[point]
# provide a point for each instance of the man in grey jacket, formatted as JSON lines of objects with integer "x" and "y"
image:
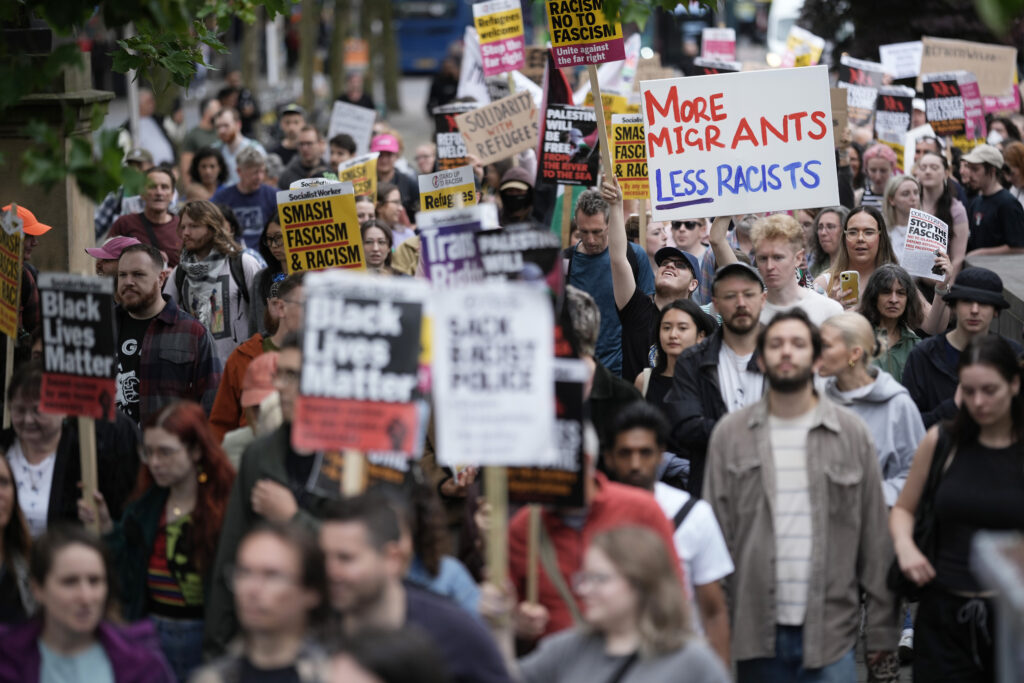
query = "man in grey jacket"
{"x": 795, "y": 484}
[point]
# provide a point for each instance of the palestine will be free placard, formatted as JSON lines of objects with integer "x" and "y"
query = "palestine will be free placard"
{"x": 78, "y": 345}
{"x": 320, "y": 228}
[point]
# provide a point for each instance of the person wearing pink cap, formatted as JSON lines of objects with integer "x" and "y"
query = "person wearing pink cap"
{"x": 388, "y": 147}
{"x": 106, "y": 255}
{"x": 28, "y": 313}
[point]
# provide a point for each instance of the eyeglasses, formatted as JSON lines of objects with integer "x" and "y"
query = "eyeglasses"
{"x": 580, "y": 579}
{"x": 866, "y": 234}
{"x": 159, "y": 453}
{"x": 275, "y": 241}
{"x": 678, "y": 264}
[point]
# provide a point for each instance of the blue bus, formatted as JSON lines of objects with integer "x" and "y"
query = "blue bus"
{"x": 425, "y": 30}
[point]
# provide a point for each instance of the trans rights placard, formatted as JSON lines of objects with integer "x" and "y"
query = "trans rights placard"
{"x": 728, "y": 144}
{"x": 320, "y": 228}
{"x": 78, "y": 345}
{"x": 449, "y": 252}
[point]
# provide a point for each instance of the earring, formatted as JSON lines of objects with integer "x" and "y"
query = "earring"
{"x": 852, "y": 362}
{"x": 202, "y": 476}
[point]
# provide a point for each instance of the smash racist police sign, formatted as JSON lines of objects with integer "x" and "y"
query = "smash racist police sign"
{"x": 320, "y": 228}
{"x": 739, "y": 143}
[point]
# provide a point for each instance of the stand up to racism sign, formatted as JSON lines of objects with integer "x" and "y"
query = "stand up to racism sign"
{"x": 728, "y": 144}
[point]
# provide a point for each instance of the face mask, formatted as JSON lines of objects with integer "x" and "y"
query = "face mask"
{"x": 514, "y": 204}
{"x": 994, "y": 138}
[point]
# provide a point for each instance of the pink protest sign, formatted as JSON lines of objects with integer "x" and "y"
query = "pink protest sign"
{"x": 499, "y": 23}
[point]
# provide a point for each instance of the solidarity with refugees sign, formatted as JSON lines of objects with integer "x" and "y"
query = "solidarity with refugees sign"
{"x": 360, "y": 363}
{"x": 501, "y": 129}
{"x": 581, "y": 33}
{"x": 320, "y": 228}
{"x": 729, "y": 144}
{"x": 499, "y": 24}
{"x": 78, "y": 345}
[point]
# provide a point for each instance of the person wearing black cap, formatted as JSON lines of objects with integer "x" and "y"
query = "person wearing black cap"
{"x": 931, "y": 371}
{"x": 997, "y": 219}
{"x": 720, "y": 374}
{"x": 516, "y": 191}
{"x": 291, "y": 120}
{"x": 308, "y": 163}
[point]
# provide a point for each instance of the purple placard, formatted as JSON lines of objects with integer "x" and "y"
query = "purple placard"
{"x": 450, "y": 256}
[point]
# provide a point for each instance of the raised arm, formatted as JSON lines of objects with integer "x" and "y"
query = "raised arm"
{"x": 719, "y": 241}
{"x": 623, "y": 284}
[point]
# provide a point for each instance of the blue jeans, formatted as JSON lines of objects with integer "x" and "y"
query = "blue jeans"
{"x": 181, "y": 641}
{"x": 787, "y": 665}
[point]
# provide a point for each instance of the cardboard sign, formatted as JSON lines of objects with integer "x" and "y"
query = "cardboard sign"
{"x": 439, "y": 190}
{"x": 361, "y": 171}
{"x": 892, "y": 118}
{"x": 492, "y": 375}
{"x": 360, "y": 364}
{"x": 356, "y": 121}
{"x": 581, "y": 34}
{"x": 447, "y": 247}
{"x": 840, "y": 114}
{"x": 730, "y": 144}
{"x": 629, "y": 155}
{"x": 499, "y": 25}
{"x": 79, "y": 368}
{"x": 519, "y": 252}
{"x": 718, "y": 43}
{"x": 803, "y": 48}
{"x": 994, "y": 65}
{"x": 944, "y": 106}
{"x": 571, "y": 154}
{"x": 1007, "y": 103}
{"x": 712, "y": 67}
{"x": 451, "y": 148}
{"x": 501, "y": 129}
{"x": 561, "y": 483}
{"x": 320, "y": 228}
{"x": 861, "y": 80}
{"x": 11, "y": 235}
{"x": 926, "y": 234}
{"x": 902, "y": 60}
{"x": 651, "y": 69}
{"x": 536, "y": 61}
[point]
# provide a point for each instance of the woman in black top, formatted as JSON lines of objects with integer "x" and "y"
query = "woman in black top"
{"x": 981, "y": 488}
{"x": 16, "y": 601}
{"x": 681, "y": 324}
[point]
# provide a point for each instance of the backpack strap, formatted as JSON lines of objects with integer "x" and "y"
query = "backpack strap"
{"x": 677, "y": 521}
{"x": 549, "y": 562}
{"x": 179, "y": 282}
{"x": 150, "y": 232}
{"x": 238, "y": 275}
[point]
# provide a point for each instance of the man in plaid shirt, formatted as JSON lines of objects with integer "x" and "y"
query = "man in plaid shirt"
{"x": 163, "y": 353}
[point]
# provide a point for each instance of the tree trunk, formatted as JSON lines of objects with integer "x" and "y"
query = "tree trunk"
{"x": 252, "y": 38}
{"x": 390, "y": 45}
{"x": 307, "y": 50}
{"x": 342, "y": 21}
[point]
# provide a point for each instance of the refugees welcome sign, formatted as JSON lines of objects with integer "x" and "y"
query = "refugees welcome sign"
{"x": 731, "y": 143}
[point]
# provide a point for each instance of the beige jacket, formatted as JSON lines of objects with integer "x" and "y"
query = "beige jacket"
{"x": 852, "y": 549}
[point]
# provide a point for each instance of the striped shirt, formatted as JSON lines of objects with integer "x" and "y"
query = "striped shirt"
{"x": 175, "y": 588}
{"x": 793, "y": 545}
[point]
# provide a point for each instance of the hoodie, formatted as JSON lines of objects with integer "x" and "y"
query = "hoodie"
{"x": 893, "y": 420}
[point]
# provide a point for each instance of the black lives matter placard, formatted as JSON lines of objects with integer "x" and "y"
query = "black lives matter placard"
{"x": 78, "y": 345}
{"x": 360, "y": 364}
{"x": 571, "y": 152}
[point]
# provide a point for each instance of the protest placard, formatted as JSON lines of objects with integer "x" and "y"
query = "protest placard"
{"x": 729, "y": 144}
{"x": 501, "y": 129}
{"x": 974, "y": 112}
{"x": 651, "y": 69}
{"x": 901, "y": 60}
{"x": 451, "y": 148}
{"x": 361, "y": 171}
{"x": 472, "y": 82}
{"x": 439, "y": 190}
{"x": 562, "y": 482}
{"x": 994, "y": 65}
{"x": 360, "y": 364}
{"x": 447, "y": 247}
{"x": 861, "y": 80}
{"x": 356, "y": 121}
{"x": 629, "y": 155}
{"x": 892, "y": 118}
{"x": 1007, "y": 103}
{"x": 303, "y": 183}
{"x": 709, "y": 67}
{"x": 718, "y": 43}
{"x": 320, "y": 228}
{"x": 926, "y": 235}
{"x": 536, "y": 61}
{"x": 803, "y": 48}
{"x": 492, "y": 375}
{"x": 379, "y": 468}
{"x": 571, "y": 153}
{"x": 840, "y": 115}
{"x": 499, "y": 26}
{"x": 581, "y": 33}
{"x": 79, "y": 368}
{"x": 943, "y": 103}
{"x": 519, "y": 252}
{"x": 11, "y": 235}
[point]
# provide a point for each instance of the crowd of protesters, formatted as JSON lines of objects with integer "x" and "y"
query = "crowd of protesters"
{"x": 763, "y": 444}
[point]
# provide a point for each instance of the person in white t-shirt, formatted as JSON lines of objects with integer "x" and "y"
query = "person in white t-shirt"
{"x": 779, "y": 251}
{"x": 634, "y": 457}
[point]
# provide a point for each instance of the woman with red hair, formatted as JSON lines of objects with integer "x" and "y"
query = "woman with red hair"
{"x": 164, "y": 546}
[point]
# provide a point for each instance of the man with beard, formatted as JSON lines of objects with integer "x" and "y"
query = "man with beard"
{"x": 720, "y": 374}
{"x": 367, "y": 558}
{"x": 795, "y": 485}
{"x": 163, "y": 354}
{"x": 997, "y": 219}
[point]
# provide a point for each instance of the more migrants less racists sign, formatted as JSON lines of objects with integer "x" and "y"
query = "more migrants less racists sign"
{"x": 320, "y": 228}
{"x": 78, "y": 345}
{"x": 439, "y": 190}
{"x": 11, "y": 235}
{"x": 360, "y": 363}
{"x": 581, "y": 33}
{"x": 501, "y": 129}
{"x": 499, "y": 25}
{"x": 728, "y": 144}
{"x": 629, "y": 154}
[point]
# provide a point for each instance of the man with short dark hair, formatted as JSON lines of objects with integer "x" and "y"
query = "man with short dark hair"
{"x": 997, "y": 218}
{"x": 308, "y": 162}
{"x": 230, "y": 141}
{"x": 252, "y": 200}
{"x": 155, "y": 225}
{"x": 342, "y": 148}
{"x": 588, "y": 267}
{"x": 361, "y": 538}
{"x": 794, "y": 482}
{"x": 635, "y": 458}
{"x": 291, "y": 121}
{"x": 163, "y": 354}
